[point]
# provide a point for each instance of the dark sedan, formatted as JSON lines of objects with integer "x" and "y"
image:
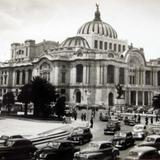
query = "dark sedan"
{"x": 123, "y": 140}
{"x": 57, "y": 150}
{"x": 81, "y": 135}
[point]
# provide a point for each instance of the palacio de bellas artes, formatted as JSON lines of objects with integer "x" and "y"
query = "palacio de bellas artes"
{"x": 86, "y": 67}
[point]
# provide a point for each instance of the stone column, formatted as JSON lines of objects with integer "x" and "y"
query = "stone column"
{"x": 116, "y": 75}
{"x": 20, "y": 77}
{"x": 143, "y": 98}
{"x": 105, "y": 74}
{"x": 129, "y": 97}
{"x": 126, "y": 76}
{"x": 136, "y": 98}
{"x": 144, "y": 77}
{"x": 26, "y": 76}
{"x": 84, "y": 74}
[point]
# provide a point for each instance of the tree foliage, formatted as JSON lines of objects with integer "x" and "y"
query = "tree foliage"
{"x": 8, "y": 100}
{"x": 60, "y": 106}
{"x": 25, "y": 96}
{"x": 156, "y": 101}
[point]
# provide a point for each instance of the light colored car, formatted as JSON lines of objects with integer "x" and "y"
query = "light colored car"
{"x": 152, "y": 141}
{"x": 99, "y": 150}
{"x": 143, "y": 153}
{"x": 139, "y": 131}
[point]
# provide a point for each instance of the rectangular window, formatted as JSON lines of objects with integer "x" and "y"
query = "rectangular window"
{"x": 95, "y": 44}
{"x": 124, "y": 47}
{"x": 119, "y": 48}
{"x": 115, "y": 47}
{"x": 110, "y": 45}
{"x": 100, "y": 45}
{"x": 63, "y": 77}
{"x": 105, "y": 45}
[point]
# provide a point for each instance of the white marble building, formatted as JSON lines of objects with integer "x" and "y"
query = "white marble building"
{"x": 86, "y": 67}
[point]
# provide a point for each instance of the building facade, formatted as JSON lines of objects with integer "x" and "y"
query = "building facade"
{"x": 86, "y": 67}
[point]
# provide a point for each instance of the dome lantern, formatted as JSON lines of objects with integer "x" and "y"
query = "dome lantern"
{"x": 97, "y": 14}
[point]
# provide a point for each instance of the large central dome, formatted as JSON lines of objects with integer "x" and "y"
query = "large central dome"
{"x": 97, "y": 26}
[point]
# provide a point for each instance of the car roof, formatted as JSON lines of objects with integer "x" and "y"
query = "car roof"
{"x": 142, "y": 149}
{"x": 140, "y": 125}
{"x": 155, "y": 136}
{"x": 101, "y": 142}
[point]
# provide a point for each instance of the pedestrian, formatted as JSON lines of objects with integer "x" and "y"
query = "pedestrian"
{"x": 146, "y": 120}
{"x": 91, "y": 122}
{"x": 156, "y": 117}
{"x": 82, "y": 116}
{"x": 75, "y": 115}
{"x": 139, "y": 118}
{"x": 151, "y": 120}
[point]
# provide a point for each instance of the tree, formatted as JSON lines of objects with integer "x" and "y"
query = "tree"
{"x": 60, "y": 106}
{"x": 43, "y": 93}
{"x": 156, "y": 101}
{"x": 25, "y": 96}
{"x": 8, "y": 100}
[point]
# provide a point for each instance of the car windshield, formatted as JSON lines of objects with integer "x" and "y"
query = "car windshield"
{"x": 93, "y": 146}
{"x": 139, "y": 127}
{"x": 150, "y": 139}
{"x": 133, "y": 154}
{"x": 9, "y": 143}
{"x": 54, "y": 144}
{"x": 121, "y": 134}
{"x": 78, "y": 131}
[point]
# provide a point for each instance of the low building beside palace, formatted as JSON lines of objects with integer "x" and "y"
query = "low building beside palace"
{"x": 86, "y": 67}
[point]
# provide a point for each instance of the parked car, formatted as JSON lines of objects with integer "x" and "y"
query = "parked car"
{"x": 104, "y": 116}
{"x": 123, "y": 140}
{"x": 112, "y": 127}
{"x": 152, "y": 141}
{"x": 81, "y": 135}
{"x": 17, "y": 149}
{"x": 98, "y": 150}
{"x": 129, "y": 122}
{"x": 143, "y": 153}
{"x": 139, "y": 131}
{"x": 154, "y": 130}
{"x": 57, "y": 150}
{"x": 4, "y": 138}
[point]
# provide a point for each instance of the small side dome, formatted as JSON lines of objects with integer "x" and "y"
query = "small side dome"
{"x": 74, "y": 42}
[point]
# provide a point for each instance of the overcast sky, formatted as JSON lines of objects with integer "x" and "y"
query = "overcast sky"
{"x": 138, "y": 21}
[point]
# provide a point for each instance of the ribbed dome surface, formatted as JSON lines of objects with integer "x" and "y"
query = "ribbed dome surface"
{"x": 76, "y": 41}
{"x": 97, "y": 26}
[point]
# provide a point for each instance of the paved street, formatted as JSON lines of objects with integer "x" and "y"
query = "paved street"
{"x": 11, "y": 126}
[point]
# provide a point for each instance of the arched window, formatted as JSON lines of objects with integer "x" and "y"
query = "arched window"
{"x": 110, "y": 99}
{"x": 45, "y": 71}
{"x": 17, "y": 77}
{"x": 121, "y": 75}
{"x": 110, "y": 74}
{"x": 79, "y": 73}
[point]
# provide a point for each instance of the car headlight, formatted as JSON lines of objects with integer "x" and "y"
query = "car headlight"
{"x": 43, "y": 155}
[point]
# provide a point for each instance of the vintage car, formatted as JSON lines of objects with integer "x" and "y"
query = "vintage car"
{"x": 123, "y": 140}
{"x": 129, "y": 122}
{"x": 4, "y": 138}
{"x": 152, "y": 141}
{"x": 17, "y": 149}
{"x": 81, "y": 135}
{"x": 112, "y": 126}
{"x": 154, "y": 130}
{"x": 143, "y": 153}
{"x": 56, "y": 150}
{"x": 139, "y": 131}
{"x": 104, "y": 116}
{"x": 98, "y": 150}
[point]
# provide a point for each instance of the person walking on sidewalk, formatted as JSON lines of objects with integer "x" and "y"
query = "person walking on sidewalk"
{"x": 91, "y": 122}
